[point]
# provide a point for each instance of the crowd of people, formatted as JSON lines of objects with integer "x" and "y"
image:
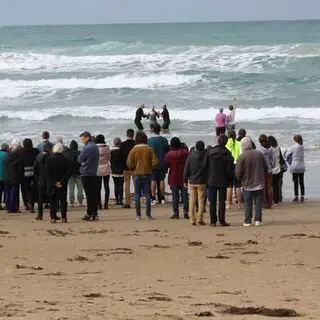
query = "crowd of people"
{"x": 46, "y": 175}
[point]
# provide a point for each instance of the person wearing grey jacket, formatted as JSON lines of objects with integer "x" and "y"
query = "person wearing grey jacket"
{"x": 295, "y": 158}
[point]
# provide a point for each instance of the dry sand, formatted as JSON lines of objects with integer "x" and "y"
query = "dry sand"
{"x": 119, "y": 268}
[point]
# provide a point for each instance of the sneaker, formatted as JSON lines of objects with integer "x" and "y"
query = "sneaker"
{"x": 138, "y": 218}
{"x": 302, "y": 199}
{"x": 201, "y": 223}
{"x": 295, "y": 200}
{"x": 213, "y": 224}
{"x": 153, "y": 202}
{"x": 163, "y": 202}
{"x": 126, "y": 206}
{"x": 258, "y": 223}
{"x": 95, "y": 218}
{"x": 224, "y": 224}
{"x": 64, "y": 220}
{"x": 228, "y": 206}
{"x": 247, "y": 224}
{"x": 39, "y": 218}
{"x": 150, "y": 218}
{"x": 86, "y": 218}
{"x": 175, "y": 216}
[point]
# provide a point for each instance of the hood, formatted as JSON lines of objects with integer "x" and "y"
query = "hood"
{"x": 217, "y": 152}
{"x": 74, "y": 146}
{"x": 263, "y": 149}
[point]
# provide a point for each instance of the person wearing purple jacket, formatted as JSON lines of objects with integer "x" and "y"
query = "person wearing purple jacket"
{"x": 221, "y": 120}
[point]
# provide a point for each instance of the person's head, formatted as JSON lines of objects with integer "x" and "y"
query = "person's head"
{"x": 100, "y": 139}
{"x": 4, "y": 147}
{"x": 141, "y": 138}
{"x": 130, "y": 133}
{"x": 58, "y": 148}
{"x": 273, "y": 141}
{"x": 164, "y": 107}
{"x": 192, "y": 149}
{"x": 117, "y": 142}
{"x": 246, "y": 144}
{"x": 15, "y": 144}
{"x": 45, "y": 135}
{"x": 85, "y": 137}
{"x": 232, "y": 134}
{"x": 298, "y": 139}
{"x": 209, "y": 146}
{"x": 175, "y": 143}
{"x": 156, "y": 129}
{"x": 221, "y": 110}
{"x": 222, "y": 140}
{"x": 59, "y": 140}
{"x": 264, "y": 142}
{"x": 153, "y": 109}
{"x": 231, "y": 107}
{"x": 142, "y": 106}
{"x": 27, "y": 143}
{"x": 47, "y": 148}
{"x": 242, "y": 133}
{"x": 74, "y": 145}
{"x": 200, "y": 146}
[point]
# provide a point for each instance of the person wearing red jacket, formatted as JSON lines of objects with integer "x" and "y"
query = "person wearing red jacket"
{"x": 175, "y": 161}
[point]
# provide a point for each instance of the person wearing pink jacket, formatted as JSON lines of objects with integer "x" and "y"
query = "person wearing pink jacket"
{"x": 221, "y": 120}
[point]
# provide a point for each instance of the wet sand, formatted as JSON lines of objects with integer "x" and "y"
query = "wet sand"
{"x": 119, "y": 268}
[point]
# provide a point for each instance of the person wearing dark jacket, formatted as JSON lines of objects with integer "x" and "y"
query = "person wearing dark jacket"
{"x": 3, "y": 155}
{"x": 139, "y": 115}
{"x": 14, "y": 173}
{"x": 72, "y": 155}
{"x": 89, "y": 160}
{"x": 28, "y": 155}
{"x": 117, "y": 167}
{"x": 220, "y": 177}
{"x": 40, "y": 176}
{"x": 166, "y": 118}
{"x": 175, "y": 161}
{"x": 126, "y": 147}
{"x": 58, "y": 173}
{"x": 195, "y": 178}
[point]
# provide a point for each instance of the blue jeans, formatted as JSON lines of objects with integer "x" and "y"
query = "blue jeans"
{"x": 250, "y": 197}
{"x": 176, "y": 198}
{"x": 142, "y": 183}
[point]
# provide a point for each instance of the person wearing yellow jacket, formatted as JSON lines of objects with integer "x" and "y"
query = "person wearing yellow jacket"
{"x": 234, "y": 147}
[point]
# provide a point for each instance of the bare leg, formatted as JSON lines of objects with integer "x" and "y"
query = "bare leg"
{"x": 229, "y": 196}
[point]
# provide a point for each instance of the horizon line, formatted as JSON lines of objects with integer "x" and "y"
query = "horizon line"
{"x": 149, "y": 23}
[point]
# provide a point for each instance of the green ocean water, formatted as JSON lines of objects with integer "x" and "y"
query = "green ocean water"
{"x": 72, "y": 78}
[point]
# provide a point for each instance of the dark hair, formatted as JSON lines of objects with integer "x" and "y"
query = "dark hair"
{"x": 263, "y": 139}
{"x": 232, "y": 134}
{"x": 200, "y": 146}
{"x": 130, "y": 133}
{"x": 231, "y": 107}
{"x": 156, "y": 128}
{"x": 222, "y": 140}
{"x": 273, "y": 141}
{"x": 298, "y": 139}
{"x": 85, "y": 134}
{"x": 27, "y": 143}
{"x": 45, "y": 135}
{"x": 100, "y": 139}
{"x": 141, "y": 138}
{"x": 242, "y": 133}
{"x": 192, "y": 149}
{"x": 175, "y": 143}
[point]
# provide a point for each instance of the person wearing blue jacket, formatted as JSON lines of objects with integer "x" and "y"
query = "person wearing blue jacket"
{"x": 89, "y": 161}
{"x": 3, "y": 156}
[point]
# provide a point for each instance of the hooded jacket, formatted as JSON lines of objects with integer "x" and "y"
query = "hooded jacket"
{"x": 117, "y": 161}
{"x": 297, "y": 164}
{"x": 175, "y": 161}
{"x": 40, "y": 173}
{"x": 89, "y": 160}
{"x": 268, "y": 156}
{"x": 72, "y": 155}
{"x": 196, "y": 170}
{"x": 14, "y": 170}
{"x": 104, "y": 160}
{"x": 126, "y": 147}
{"x": 220, "y": 167}
{"x": 234, "y": 146}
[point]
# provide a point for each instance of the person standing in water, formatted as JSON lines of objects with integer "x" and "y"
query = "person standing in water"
{"x": 153, "y": 118}
{"x": 139, "y": 115}
{"x": 221, "y": 119}
{"x": 231, "y": 117}
{"x": 166, "y": 118}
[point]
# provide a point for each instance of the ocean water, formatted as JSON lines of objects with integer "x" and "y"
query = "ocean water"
{"x": 67, "y": 79}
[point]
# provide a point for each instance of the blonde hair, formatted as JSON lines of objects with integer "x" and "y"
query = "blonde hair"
{"x": 58, "y": 148}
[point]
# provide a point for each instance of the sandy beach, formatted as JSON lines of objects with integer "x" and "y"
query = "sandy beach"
{"x": 119, "y": 268}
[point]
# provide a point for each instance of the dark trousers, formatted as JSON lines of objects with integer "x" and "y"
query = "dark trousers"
{"x": 142, "y": 183}
{"x": 59, "y": 198}
{"x": 220, "y": 131}
{"x": 213, "y": 196}
{"x": 118, "y": 189}
{"x": 176, "y": 198}
{"x": 90, "y": 185}
{"x": 42, "y": 199}
{"x": 139, "y": 125}
{"x": 166, "y": 125}
{"x": 105, "y": 181}
{"x": 2, "y": 193}
{"x": 298, "y": 179}
{"x": 250, "y": 197}
{"x": 11, "y": 196}
{"x": 276, "y": 185}
{"x": 28, "y": 192}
